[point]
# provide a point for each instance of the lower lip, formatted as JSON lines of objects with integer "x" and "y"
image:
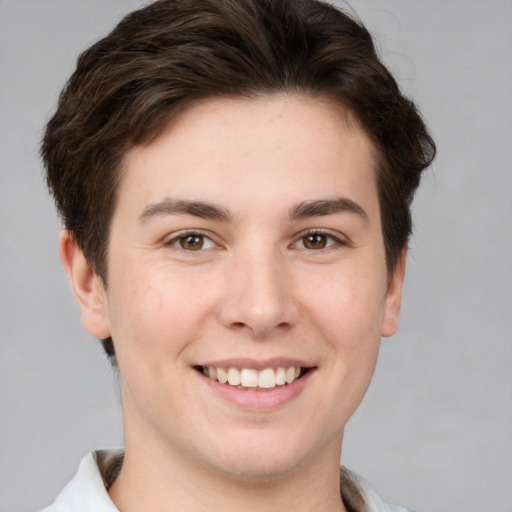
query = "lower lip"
{"x": 258, "y": 401}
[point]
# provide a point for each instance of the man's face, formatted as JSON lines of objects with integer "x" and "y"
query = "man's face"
{"x": 246, "y": 242}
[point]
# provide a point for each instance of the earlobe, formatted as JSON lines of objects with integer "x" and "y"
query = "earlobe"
{"x": 394, "y": 297}
{"x": 87, "y": 287}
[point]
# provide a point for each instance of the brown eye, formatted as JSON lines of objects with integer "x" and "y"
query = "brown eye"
{"x": 315, "y": 241}
{"x": 191, "y": 242}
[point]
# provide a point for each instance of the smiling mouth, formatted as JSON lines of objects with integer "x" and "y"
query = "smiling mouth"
{"x": 249, "y": 379}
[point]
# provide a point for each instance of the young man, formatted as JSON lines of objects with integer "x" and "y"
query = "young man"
{"x": 234, "y": 178}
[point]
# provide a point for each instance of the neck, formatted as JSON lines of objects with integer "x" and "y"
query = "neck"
{"x": 152, "y": 479}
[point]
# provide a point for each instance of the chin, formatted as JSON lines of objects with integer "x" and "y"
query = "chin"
{"x": 260, "y": 460}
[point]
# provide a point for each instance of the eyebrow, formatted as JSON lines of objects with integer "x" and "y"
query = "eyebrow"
{"x": 170, "y": 206}
{"x": 211, "y": 211}
{"x": 327, "y": 207}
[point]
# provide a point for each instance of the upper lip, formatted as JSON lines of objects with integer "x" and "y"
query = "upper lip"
{"x": 256, "y": 364}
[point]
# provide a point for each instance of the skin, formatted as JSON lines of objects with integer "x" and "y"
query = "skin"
{"x": 257, "y": 289}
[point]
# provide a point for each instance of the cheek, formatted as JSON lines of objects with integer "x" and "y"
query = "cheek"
{"x": 348, "y": 308}
{"x": 156, "y": 313}
{"x": 348, "y": 311}
{"x": 347, "y": 317}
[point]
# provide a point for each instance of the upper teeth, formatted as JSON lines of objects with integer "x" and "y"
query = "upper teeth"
{"x": 250, "y": 378}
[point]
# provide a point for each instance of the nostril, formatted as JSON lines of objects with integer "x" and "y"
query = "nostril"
{"x": 239, "y": 326}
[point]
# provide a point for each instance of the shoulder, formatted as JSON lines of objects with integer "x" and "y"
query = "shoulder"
{"x": 360, "y": 497}
{"x": 87, "y": 492}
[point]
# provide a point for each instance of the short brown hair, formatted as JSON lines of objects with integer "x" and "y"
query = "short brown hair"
{"x": 172, "y": 53}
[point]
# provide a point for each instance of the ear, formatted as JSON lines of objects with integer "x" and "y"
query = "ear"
{"x": 394, "y": 297}
{"x": 87, "y": 287}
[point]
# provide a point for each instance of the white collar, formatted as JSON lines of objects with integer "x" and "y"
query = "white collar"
{"x": 86, "y": 492}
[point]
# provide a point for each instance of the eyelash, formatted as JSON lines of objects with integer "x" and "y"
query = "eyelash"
{"x": 332, "y": 241}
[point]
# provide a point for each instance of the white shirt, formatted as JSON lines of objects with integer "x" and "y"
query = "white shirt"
{"x": 86, "y": 492}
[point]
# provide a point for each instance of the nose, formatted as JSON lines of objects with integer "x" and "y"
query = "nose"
{"x": 258, "y": 296}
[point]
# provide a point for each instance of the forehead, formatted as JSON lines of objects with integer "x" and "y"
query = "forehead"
{"x": 272, "y": 149}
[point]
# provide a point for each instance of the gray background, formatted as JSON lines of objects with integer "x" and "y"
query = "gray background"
{"x": 434, "y": 432}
